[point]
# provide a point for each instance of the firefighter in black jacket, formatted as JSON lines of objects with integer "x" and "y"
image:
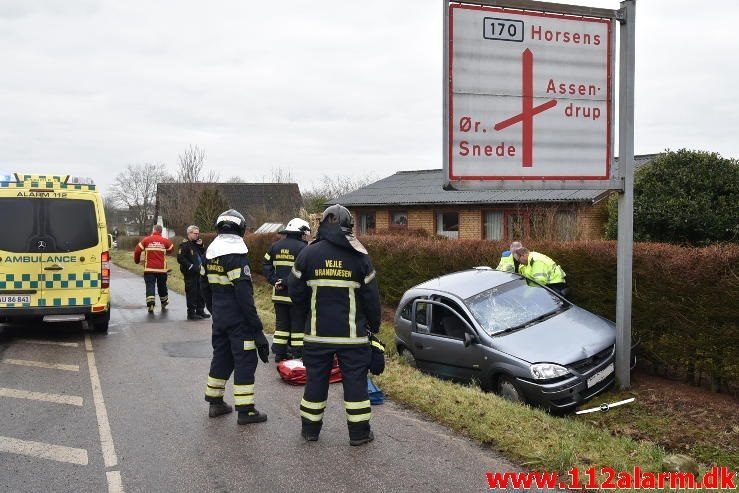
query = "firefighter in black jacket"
{"x": 190, "y": 256}
{"x": 334, "y": 283}
{"x": 278, "y": 261}
{"x": 237, "y": 331}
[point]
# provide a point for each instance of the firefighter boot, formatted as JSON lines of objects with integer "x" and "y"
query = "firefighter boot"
{"x": 309, "y": 437}
{"x": 150, "y": 307}
{"x": 202, "y": 314}
{"x": 218, "y": 408}
{"x": 361, "y": 441}
{"x": 251, "y": 416}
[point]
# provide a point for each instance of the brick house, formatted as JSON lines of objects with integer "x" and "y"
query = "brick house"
{"x": 415, "y": 200}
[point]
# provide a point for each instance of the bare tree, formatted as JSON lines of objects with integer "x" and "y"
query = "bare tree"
{"x": 134, "y": 190}
{"x": 179, "y": 203}
{"x": 279, "y": 175}
{"x": 331, "y": 187}
{"x": 191, "y": 167}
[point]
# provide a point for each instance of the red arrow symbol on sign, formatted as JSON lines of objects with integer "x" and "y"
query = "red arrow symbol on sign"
{"x": 528, "y": 111}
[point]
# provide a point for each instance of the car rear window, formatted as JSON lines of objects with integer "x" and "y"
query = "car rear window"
{"x": 47, "y": 225}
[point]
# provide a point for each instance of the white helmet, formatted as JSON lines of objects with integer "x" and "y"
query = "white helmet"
{"x": 297, "y": 225}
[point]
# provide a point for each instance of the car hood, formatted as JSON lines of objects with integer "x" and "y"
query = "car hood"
{"x": 570, "y": 336}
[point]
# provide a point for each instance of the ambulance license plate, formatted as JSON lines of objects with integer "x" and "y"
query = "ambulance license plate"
{"x": 15, "y": 298}
{"x": 601, "y": 375}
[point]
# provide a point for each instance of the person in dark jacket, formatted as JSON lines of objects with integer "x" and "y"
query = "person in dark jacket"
{"x": 333, "y": 282}
{"x": 287, "y": 342}
{"x": 191, "y": 257}
{"x": 237, "y": 331}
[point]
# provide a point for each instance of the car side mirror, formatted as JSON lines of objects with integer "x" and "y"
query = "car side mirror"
{"x": 469, "y": 339}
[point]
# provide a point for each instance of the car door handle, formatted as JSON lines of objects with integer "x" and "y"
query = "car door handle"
{"x": 54, "y": 267}
{"x": 419, "y": 346}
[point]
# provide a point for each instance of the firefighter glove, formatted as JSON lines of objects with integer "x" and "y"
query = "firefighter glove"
{"x": 377, "y": 361}
{"x": 262, "y": 346}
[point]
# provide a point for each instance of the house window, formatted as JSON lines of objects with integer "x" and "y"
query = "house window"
{"x": 566, "y": 226}
{"x": 399, "y": 219}
{"x": 493, "y": 225}
{"x": 367, "y": 223}
{"x": 537, "y": 226}
{"x": 515, "y": 226}
{"x": 447, "y": 224}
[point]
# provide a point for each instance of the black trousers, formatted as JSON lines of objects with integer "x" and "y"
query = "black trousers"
{"x": 288, "y": 331}
{"x": 193, "y": 294}
{"x": 353, "y": 362}
{"x": 233, "y": 352}
{"x": 160, "y": 281}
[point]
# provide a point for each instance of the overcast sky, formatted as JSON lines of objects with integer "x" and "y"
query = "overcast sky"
{"x": 337, "y": 87}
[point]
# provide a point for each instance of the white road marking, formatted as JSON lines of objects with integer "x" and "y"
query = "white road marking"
{"x": 40, "y": 364}
{"x": 50, "y": 343}
{"x": 72, "y": 400}
{"x": 44, "y": 450}
{"x": 106, "y": 437}
{"x": 115, "y": 483}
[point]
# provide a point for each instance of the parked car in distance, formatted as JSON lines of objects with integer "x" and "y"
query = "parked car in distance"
{"x": 513, "y": 335}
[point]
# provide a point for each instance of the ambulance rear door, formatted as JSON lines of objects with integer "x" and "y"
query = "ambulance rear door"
{"x": 74, "y": 245}
{"x": 20, "y": 250}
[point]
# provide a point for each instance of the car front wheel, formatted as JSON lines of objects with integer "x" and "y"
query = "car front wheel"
{"x": 407, "y": 357}
{"x": 508, "y": 390}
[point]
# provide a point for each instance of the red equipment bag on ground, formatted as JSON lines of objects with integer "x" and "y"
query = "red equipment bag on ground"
{"x": 293, "y": 372}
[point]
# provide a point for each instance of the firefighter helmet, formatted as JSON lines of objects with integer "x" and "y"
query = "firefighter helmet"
{"x": 297, "y": 225}
{"x": 339, "y": 214}
{"x": 231, "y": 222}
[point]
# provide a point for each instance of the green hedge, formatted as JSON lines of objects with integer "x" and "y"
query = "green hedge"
{"x": 685, "y": 308}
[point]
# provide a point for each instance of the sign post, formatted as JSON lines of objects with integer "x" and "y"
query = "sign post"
{"x": 625, "y": 243}
{"x": 528, "y": 105}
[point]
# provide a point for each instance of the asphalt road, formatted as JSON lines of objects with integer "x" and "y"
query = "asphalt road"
{"x": 144, "y": 427}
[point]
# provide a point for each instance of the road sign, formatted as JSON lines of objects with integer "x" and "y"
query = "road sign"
{"x": 529, "y": 100}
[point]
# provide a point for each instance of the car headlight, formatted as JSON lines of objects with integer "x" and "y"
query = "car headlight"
{"x": 545, "y": 371}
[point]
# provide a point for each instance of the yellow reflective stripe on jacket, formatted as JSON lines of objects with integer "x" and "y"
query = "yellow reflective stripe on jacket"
{"x": 333, "y": 283}
{"x": 369, "y": 277}
{"x": 277, "y": 297}
{"x": 249, "y": 345}
{"x": 266, "y": 256}
{"x": 217, "y": 279}
{"x": 352, "y": 315}
{"x": 285, "y": 263}
{"x": 233, "y": 274}
{"x": 296, "y": 272}
{"x": 506, "y": 264}
{"x": 335, "y": 340}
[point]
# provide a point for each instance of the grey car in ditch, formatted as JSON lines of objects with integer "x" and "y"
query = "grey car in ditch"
{"x": 514, "y": 336}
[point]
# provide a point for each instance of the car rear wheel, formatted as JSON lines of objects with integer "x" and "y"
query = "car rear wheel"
{"x": 407, "y": 356}
{"x": 508, "y": 390}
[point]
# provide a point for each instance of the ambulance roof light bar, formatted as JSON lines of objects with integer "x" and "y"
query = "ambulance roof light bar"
{"x": 7, "y": 177}
{"x": 80, "y": 180}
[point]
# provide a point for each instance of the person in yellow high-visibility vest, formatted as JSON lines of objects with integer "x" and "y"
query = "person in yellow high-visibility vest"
{"x": 507, "y": 263}
{"x": 542, "y": 269}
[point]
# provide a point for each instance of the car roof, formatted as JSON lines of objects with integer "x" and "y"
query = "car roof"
{"x": 468, "y": 283}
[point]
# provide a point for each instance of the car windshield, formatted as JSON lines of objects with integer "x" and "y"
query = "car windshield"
{"x": 513, "y": 305}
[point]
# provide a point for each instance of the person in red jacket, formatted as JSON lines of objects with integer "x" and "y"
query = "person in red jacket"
{"x": 155, "y": 247}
